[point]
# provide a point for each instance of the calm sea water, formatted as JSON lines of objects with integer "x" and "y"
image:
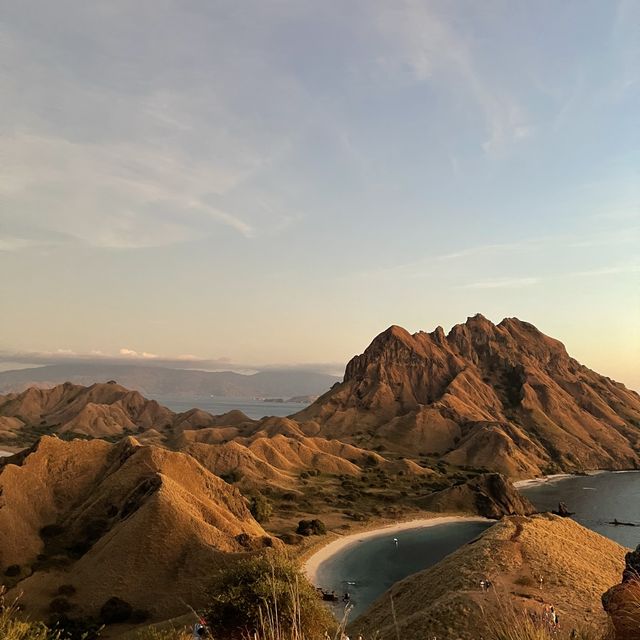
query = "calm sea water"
{"x": 368, "y": 568}
{"x": 596, "y": 501}
{"x": 376, "y": 563}
{"x": 255, "y": 409}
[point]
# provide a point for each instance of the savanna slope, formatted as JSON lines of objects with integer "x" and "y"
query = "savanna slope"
{"x": 446, "y": 601}
{"x": 141, "y": 523}
{"x": 505, "y": 397}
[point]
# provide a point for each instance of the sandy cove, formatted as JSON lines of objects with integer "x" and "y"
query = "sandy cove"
{"x": 312, "y": 564}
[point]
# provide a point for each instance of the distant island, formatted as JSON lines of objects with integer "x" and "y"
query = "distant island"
{"x": 295, "y": 400}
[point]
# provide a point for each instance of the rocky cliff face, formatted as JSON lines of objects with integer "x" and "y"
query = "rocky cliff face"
{"x": 490, "y": 495}
{"x": 505, "y": 397}
{"x": 622, "y": 602}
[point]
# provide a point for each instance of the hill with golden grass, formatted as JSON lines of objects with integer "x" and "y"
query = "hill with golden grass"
{"x": 101, "y": 410}
{"x": 273, "y": 450}
{"x": 490, "y": 495}
{"x": 447, "y": 601}
{"x": 504, "y": 397}
{"x": 142, "y": 523}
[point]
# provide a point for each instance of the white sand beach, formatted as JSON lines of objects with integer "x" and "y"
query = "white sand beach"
{"x": 531, "y": 482}
{"x": 312, "y": 565}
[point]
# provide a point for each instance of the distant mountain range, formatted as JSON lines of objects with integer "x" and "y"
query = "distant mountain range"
{"x": 174, "y": 383}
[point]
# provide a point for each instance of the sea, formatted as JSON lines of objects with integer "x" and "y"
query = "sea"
{"x": 369, "y": 568}
{"x": 217, "y": 405}
{"x": 596, "y": 501}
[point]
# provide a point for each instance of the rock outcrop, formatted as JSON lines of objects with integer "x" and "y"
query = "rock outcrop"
{"x": 504, "y": 397}
{"x": 490, "y": 495}
{"x": 622, "y": 602}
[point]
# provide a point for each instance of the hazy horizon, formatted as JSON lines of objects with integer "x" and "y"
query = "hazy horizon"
{"x": 274, "y": 183}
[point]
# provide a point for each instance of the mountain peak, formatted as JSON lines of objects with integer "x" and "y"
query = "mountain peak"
{"x": 505, "y": 397}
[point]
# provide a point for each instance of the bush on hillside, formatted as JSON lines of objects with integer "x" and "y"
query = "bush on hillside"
{"x": 231, "y": 477}
{"x": 311, "y": 528}
{"x": 12, "y": 571}
{"x": 66, "y": 590}
{"x": 115, "y": 610}
{"x": 246, "y": 595}
{"x": 260, "y": 508}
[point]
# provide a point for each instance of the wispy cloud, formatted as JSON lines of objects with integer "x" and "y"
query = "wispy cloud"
{"x": 11, "y": 243}
{"x": 125, "y": 356}
{"x": 428, "y": 45}
{"x": 127, "y": 155}
{"x": 502, "y": 283}
{"x": 131, "y": 353}
{"x": 518, "y": 283}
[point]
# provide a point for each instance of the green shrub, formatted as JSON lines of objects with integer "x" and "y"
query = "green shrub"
{"x": 12, "y": 571}
{"x": 253, "y": 589}
{"x": 232, "y": 476}
{"x": 59, "y": 605}
{"x": 260, "y": 508}
{"x": 291, "y": 538}
{"x": 115, "y": 610}
{"x": 311, "y": 528}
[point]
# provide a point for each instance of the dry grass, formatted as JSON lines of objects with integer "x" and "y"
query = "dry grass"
{"x": 512, "y": 624}
{"x": 11, "y": 628}
{"x": 271, "y": 626}
{"x": 167, "y": 634}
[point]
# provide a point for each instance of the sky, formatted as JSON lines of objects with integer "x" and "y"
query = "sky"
{"x": 274, "y": 182}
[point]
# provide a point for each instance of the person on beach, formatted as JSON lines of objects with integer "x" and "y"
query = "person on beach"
{"x": 396, "y": 542}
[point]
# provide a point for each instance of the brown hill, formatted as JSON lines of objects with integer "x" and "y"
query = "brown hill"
{"x": 141, "y": 523}
{"x": 490, "y": 495}
{"x": 446, "y": 601}
{"x": 273, "y": 450}
{"x": 103, "y": 410}
{"x": 276, "y": 451}
{"x": 503, "y": 397}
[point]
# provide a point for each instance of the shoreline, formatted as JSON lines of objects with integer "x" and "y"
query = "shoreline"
{"x": 556, "y": 477}
{"x": 312, "y": 564}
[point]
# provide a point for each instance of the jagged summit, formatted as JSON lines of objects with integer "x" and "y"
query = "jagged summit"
{"x": 506, "y": 396}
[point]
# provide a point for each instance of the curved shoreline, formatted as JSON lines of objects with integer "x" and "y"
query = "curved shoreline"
{"x": 534, "y": 482}
{"x": 313, "y": 563}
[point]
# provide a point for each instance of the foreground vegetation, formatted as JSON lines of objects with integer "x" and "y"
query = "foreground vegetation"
{"x": 267, "y": 598}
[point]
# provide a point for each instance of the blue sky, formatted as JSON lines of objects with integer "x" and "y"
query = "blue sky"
{"x": 276, "y": 182}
